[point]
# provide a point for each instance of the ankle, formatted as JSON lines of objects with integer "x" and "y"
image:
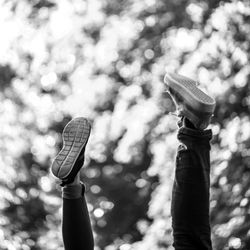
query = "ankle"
{"x": 73, "y": 190}
{"x": 76, "y": 181}
{"x": 188, "y": 124}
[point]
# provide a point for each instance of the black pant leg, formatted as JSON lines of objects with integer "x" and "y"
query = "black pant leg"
{"x": 76, "y": 227}
{"x": 190, "y": 197}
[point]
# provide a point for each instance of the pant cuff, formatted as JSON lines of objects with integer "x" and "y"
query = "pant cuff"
{"x": 73, "y": 191}
{"x": 195, "y": 138}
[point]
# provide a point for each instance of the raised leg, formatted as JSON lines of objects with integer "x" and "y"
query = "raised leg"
{"x": 190, "y": 198}
{"x": 76, "y": 227}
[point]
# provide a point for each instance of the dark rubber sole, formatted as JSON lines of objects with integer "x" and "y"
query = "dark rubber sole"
{"x": 196, "y": 105}
{"x": 75, "y": 137}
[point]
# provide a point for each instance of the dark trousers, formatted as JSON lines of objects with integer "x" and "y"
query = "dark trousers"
{"x": 190, "y": 200}
{"x": 76, "y": 227}
{"x": 190, "y": 197}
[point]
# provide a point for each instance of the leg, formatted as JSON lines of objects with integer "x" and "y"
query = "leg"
{"x": 76, "y": 227}
{"x": 190, "y": 201}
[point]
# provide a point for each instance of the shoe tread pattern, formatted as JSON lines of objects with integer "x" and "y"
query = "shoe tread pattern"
{"x": 75, "y": 136}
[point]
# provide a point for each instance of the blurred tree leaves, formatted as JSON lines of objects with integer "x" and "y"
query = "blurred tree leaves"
{"x": 7, "y": 74}
{"x": 105, "y": 60}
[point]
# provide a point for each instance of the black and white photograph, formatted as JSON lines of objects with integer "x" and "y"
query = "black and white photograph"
{"x": 124, "y": 125}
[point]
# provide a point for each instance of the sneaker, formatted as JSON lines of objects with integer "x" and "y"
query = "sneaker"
{"x": 70, "y": 159}
{"x": 190, "y": 101}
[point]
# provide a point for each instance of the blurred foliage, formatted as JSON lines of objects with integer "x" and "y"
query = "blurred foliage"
{"x": 105, "y": 60}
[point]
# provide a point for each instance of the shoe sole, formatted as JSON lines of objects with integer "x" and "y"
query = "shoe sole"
{"x": 196, "y": 104}
{"x": 75, "y": 136}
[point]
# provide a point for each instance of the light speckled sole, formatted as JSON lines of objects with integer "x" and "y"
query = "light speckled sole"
{"x": 75, "y": 136}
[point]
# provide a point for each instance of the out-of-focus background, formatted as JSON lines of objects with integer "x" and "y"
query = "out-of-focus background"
{"x": 105, "y": 60}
